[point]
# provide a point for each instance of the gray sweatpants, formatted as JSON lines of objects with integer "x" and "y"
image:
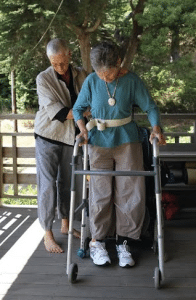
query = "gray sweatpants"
{"x": 120, "y": 197}
{"x": 53, "y": 181}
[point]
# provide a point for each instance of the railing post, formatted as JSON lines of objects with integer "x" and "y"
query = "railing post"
{"x": 13, "y": 94}
{"x": 14, "y": 154}
{"x": 193, "y": 140}
{"x": 177, "y": 139}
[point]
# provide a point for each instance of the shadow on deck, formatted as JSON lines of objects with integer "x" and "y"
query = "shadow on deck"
{"x": 28, "y": 272}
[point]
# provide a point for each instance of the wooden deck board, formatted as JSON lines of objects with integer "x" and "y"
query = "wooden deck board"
{"x": 44, "y": 275}
{"x": 72, "y": 292}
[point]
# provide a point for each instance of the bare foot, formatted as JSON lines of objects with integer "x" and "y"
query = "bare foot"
{"x": 65, "y": 228}
{"x": 50, "y": 243}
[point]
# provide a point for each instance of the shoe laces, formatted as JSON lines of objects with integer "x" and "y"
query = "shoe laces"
{"x": 123, "y": 249}
{"x": 99, "y": 249}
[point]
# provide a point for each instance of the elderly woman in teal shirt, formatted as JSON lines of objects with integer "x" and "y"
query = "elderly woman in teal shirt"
{"x": 114, "y": 143}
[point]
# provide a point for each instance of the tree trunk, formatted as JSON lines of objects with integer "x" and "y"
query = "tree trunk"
{"x": 85, "y": 48}
{"x": 134, "y": 39}
{"x": 175, "y": 45}
{"x": 130, "y": 53}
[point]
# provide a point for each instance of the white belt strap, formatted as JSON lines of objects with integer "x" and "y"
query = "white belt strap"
{"x": 103, "y": 124}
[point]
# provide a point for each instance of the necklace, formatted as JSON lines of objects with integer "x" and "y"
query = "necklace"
{"x": 111, "y": 100}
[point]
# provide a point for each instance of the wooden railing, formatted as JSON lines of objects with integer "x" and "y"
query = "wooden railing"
{"x": 14, "y": 152}
{"x": 16, "y": 178}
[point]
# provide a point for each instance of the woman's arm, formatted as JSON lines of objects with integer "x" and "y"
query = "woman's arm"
{"x": 146, "y": 103}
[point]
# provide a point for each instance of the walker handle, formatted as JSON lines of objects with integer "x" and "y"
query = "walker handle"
{"x": 155, "y": 147}
{"x": 76, "y": 146}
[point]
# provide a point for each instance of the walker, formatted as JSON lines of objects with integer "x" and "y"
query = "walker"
{"x": 72, "y": 268}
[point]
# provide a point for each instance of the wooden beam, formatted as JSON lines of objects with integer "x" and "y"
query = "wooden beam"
{"x": 17, "y": 117}
{"x": 16, "y": 134}
{"x": 22, "y": 152}
{"x": 24, "y": 178}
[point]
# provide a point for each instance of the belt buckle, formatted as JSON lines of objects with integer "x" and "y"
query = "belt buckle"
{"x": 101, "y": 125}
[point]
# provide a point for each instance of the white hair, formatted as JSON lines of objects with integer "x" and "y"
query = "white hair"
{"x": 56, "y": 46}
{"x": 104, "y": 55}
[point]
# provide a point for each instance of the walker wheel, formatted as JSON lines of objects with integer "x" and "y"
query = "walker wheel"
{"x": 157, "y": 278}
{"x": 73, "y": 273}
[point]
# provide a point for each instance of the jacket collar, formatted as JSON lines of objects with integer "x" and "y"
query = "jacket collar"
{"x": 73, "y": 71}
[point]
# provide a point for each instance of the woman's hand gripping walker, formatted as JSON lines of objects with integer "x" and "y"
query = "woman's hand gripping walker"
{"x": 83, "y": 136}
{"x": 157, "y": 133}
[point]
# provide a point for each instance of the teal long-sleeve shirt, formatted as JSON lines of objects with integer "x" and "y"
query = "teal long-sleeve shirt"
{"x": 130, "y": 90}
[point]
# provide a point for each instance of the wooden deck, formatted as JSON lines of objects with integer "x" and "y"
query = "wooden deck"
{"x": 28, "y": 272}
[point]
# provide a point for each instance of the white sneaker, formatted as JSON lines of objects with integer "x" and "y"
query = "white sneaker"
{"x": 99, "y": 254}
{"x": 125, "y": 257}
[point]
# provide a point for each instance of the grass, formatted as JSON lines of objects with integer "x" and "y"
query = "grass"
{"x": 19, "y": 201}
{"x": 29, "y": 190}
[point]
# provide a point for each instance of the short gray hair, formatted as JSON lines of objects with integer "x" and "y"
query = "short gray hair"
{"x": 104, "y": 55}
{"x": 55, "y": 46}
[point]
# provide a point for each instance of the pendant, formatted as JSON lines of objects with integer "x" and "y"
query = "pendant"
{"x": 111, "y": 101}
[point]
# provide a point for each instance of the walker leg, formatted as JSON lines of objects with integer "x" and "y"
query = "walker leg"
{"x": 70, "y": 234}
{"x": 85, "y": 219}
{"x": 159, "y": 272}
{"x": 160, "y": 237}
{"x": 70, "y": 268}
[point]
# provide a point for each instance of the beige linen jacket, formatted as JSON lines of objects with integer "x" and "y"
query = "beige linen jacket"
{"x": 54, "y": 95}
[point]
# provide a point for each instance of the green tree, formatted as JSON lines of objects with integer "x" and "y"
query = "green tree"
{"x": 167, "y": 26}
{"x": 160, "y": 37}
{"x": 153, "y": 35}
{"x": 20, "y": 23}
{"x": 27, "y": 26}
{"x": 24, "y": 24}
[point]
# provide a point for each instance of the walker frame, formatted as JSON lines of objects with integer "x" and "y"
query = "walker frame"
{"x": 72, "y": 268}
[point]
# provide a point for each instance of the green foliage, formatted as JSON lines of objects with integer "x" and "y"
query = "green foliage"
{"x": 173, "y": 86}
{"x": 163, "y": 21}
{"x": 169, "y": 30}
{"x": 19, "y": 201}
{"x": 25, "y": 31}
{"x": 21, "y": 22}
{"x": 165, "y": 89}
{"x": 154, "y": 45}
{"x": 186, "y": 71}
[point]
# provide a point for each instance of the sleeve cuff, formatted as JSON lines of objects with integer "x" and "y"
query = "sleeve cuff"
{"x": 53, "y": 109}
{"x": 62, "y": 114}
